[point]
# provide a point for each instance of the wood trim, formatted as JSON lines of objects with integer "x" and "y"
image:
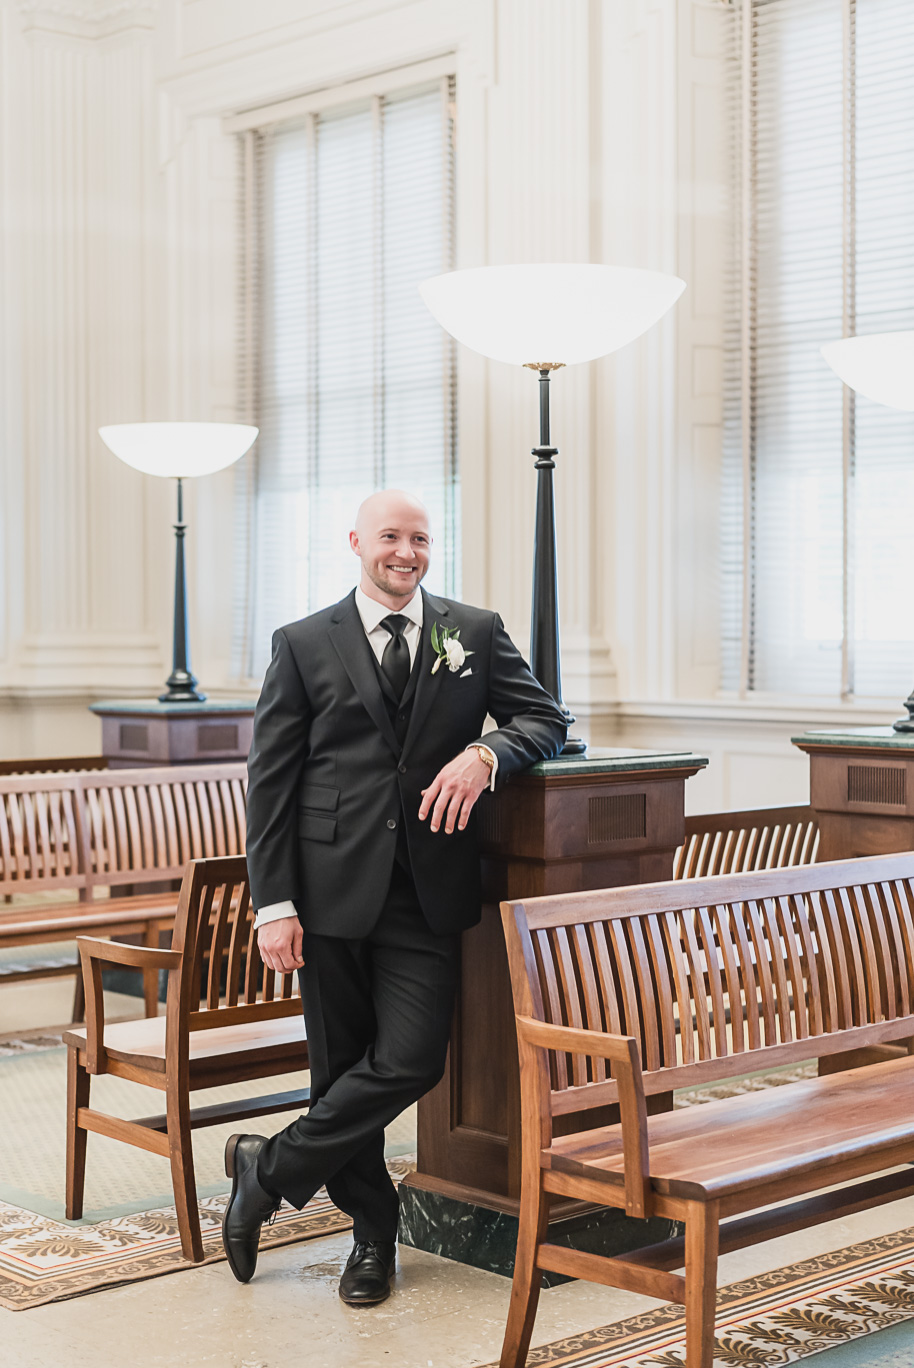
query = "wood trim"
{"x": 630, "y": 1277}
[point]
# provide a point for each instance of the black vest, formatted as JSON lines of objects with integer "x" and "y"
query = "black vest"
{"x": 399, "y": 714}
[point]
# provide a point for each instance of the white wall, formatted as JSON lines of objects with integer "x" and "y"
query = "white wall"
{"x": 587, "y": 130}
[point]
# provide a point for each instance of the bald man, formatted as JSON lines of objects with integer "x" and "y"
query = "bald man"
{"x": 368, "y": 758}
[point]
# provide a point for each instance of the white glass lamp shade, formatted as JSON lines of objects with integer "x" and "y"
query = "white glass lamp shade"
{"x": 180, "y": 450}
{"x": 880, "y": 366}
{"x": 551, "y": 312}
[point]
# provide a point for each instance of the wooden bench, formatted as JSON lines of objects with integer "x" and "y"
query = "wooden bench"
{"x": 102, "y": 850}
{"x": 630, "y": 992}
{"x": 227, "y": 1020}
{"x": 54, "y": 765}
{"x": 740, "y": 842}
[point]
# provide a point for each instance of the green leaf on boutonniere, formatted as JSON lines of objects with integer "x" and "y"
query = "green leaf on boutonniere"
{"x": 435, "y": 647}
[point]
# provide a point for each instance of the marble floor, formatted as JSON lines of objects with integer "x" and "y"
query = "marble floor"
{"x": 441, "y": 1315}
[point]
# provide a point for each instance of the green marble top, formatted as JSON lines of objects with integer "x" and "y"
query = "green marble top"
{"x": 877, "y": 738}
{"x": 604, "y": 760}
{"x": 152, "y": 705}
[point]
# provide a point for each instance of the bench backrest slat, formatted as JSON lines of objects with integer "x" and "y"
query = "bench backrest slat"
{"x": 723, "y": 975}
{"x": 144, "y": 827}
{"x": 40, "y": 841}
{"x": 746, "y": 841}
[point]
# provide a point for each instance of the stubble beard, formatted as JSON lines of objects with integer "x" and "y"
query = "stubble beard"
{"x": 394, "y": 585}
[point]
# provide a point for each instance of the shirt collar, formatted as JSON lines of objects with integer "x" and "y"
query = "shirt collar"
{"x": 373, "y": 613}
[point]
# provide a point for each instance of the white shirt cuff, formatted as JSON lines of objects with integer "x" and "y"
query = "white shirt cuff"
{"x": 478, "y": 745}
{"x": 274, "y": 912}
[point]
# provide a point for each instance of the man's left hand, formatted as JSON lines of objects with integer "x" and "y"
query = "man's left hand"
{"x": 454, "y": 791}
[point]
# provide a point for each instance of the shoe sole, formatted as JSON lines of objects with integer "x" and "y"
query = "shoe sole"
{"x": 370, "y": 1301}
{"x": 231, "y": 1146}
{"x": 364, "y": 1301}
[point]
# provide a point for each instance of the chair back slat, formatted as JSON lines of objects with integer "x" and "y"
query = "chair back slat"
{"x": 214, "y": 932}
{"x": 239, "y": 949}
{"x": 743, "y": 842}
{"x": 586, "y": 970}
{"x": 709, "y": 975}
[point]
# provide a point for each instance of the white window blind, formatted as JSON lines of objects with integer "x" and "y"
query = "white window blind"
{"x": 347, "y": 375}
{"x": 817, "y": 485}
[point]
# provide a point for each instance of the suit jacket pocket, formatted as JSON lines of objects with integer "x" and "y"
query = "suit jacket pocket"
{"x": 320, "y": 797}
{"x": 315, "y": 828}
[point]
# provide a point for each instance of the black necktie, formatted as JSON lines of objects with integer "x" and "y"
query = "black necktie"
{"x": 395, "y": 660}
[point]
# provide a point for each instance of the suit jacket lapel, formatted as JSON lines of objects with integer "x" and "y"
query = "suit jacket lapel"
{"x": 422, "y": 680}
{"x": 347, "y": 635}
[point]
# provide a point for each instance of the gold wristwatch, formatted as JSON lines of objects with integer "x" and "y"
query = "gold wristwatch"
{"x": 485, "y": 756}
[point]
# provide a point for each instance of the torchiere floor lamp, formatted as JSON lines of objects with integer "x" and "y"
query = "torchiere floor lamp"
{"x": 180, "y": 451}
{"x": 879, "y": 366}
{"x": 522, "y": 315}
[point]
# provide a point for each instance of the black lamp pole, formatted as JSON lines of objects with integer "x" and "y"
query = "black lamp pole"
{"x": 181, "y": 687}
{"x": 544, "y": 627}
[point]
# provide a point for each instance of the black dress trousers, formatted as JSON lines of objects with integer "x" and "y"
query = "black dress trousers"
{"x": 378, "y": 1014}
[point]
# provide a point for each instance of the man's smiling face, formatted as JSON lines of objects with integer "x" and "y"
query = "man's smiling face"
{"x": 393, "y": 542}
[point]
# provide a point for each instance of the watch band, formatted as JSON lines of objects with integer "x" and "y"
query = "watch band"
{"x": 485, "y": 755}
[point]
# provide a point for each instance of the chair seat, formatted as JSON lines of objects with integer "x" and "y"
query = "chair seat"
{"x": 142, "y": 1042}
{"x": 716, "y": 1149}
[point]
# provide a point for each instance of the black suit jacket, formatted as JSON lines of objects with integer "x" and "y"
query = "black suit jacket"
{"x": 329, "y": 783}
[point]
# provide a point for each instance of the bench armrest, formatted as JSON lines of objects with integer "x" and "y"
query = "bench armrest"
{"x": 622, "y": 1051}
{"x": 94, "y": 952}
{"x": 575, "y": 1040}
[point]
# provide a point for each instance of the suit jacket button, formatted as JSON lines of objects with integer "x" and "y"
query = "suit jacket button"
{"x": 402, "y": 769}
{"x": 392, "y": 824}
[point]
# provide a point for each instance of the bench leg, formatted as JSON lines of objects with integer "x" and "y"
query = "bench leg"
{"x": 77, "y": 1096}
{"x": 525, "y": 1289}
{"x": 702, "y": 1230}
{"x": 183, "y": 1180}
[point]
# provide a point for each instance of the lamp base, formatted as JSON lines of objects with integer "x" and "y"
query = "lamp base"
{"x": 181, "y": 687}
{"x": 574, "y": 745}
{"x": 182, "y": 696}
{"x": 906, "y": 724}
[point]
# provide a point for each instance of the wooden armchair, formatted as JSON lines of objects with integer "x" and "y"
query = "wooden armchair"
{"x": 227, "y": 1020}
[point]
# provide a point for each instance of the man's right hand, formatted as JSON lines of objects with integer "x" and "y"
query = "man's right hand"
{"x": 280, "y": 944}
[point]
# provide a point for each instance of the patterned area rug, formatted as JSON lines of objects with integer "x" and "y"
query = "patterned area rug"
{"x": 42, "y": 1260}
{"x": 779, "y": 1317}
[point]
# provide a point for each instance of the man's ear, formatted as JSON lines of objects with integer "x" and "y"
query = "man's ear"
{"x": 354, "y": 542}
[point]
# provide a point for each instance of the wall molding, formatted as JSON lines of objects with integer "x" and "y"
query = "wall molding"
{"x": 84, "y": 20}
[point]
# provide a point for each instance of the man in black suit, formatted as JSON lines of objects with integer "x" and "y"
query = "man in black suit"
{"x": 367, "y": 760}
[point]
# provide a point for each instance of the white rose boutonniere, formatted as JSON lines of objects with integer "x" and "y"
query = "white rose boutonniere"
{"x": 447, "y": 647}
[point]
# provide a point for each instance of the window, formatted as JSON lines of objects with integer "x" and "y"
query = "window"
{"x": 349, "y": 378}
{"x": 818, "y": 485}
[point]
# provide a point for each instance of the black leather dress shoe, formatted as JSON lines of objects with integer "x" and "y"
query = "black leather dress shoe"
{"x": 366, "y": 1280}
{"x": 248, "y": 1206}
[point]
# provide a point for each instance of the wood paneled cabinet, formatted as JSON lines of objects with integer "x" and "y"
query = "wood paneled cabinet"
{"x": 861, "y": 787}
{"x": 610, "y": 818}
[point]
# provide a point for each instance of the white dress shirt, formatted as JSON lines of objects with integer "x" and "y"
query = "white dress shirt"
{"x": 373, "y": 614}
